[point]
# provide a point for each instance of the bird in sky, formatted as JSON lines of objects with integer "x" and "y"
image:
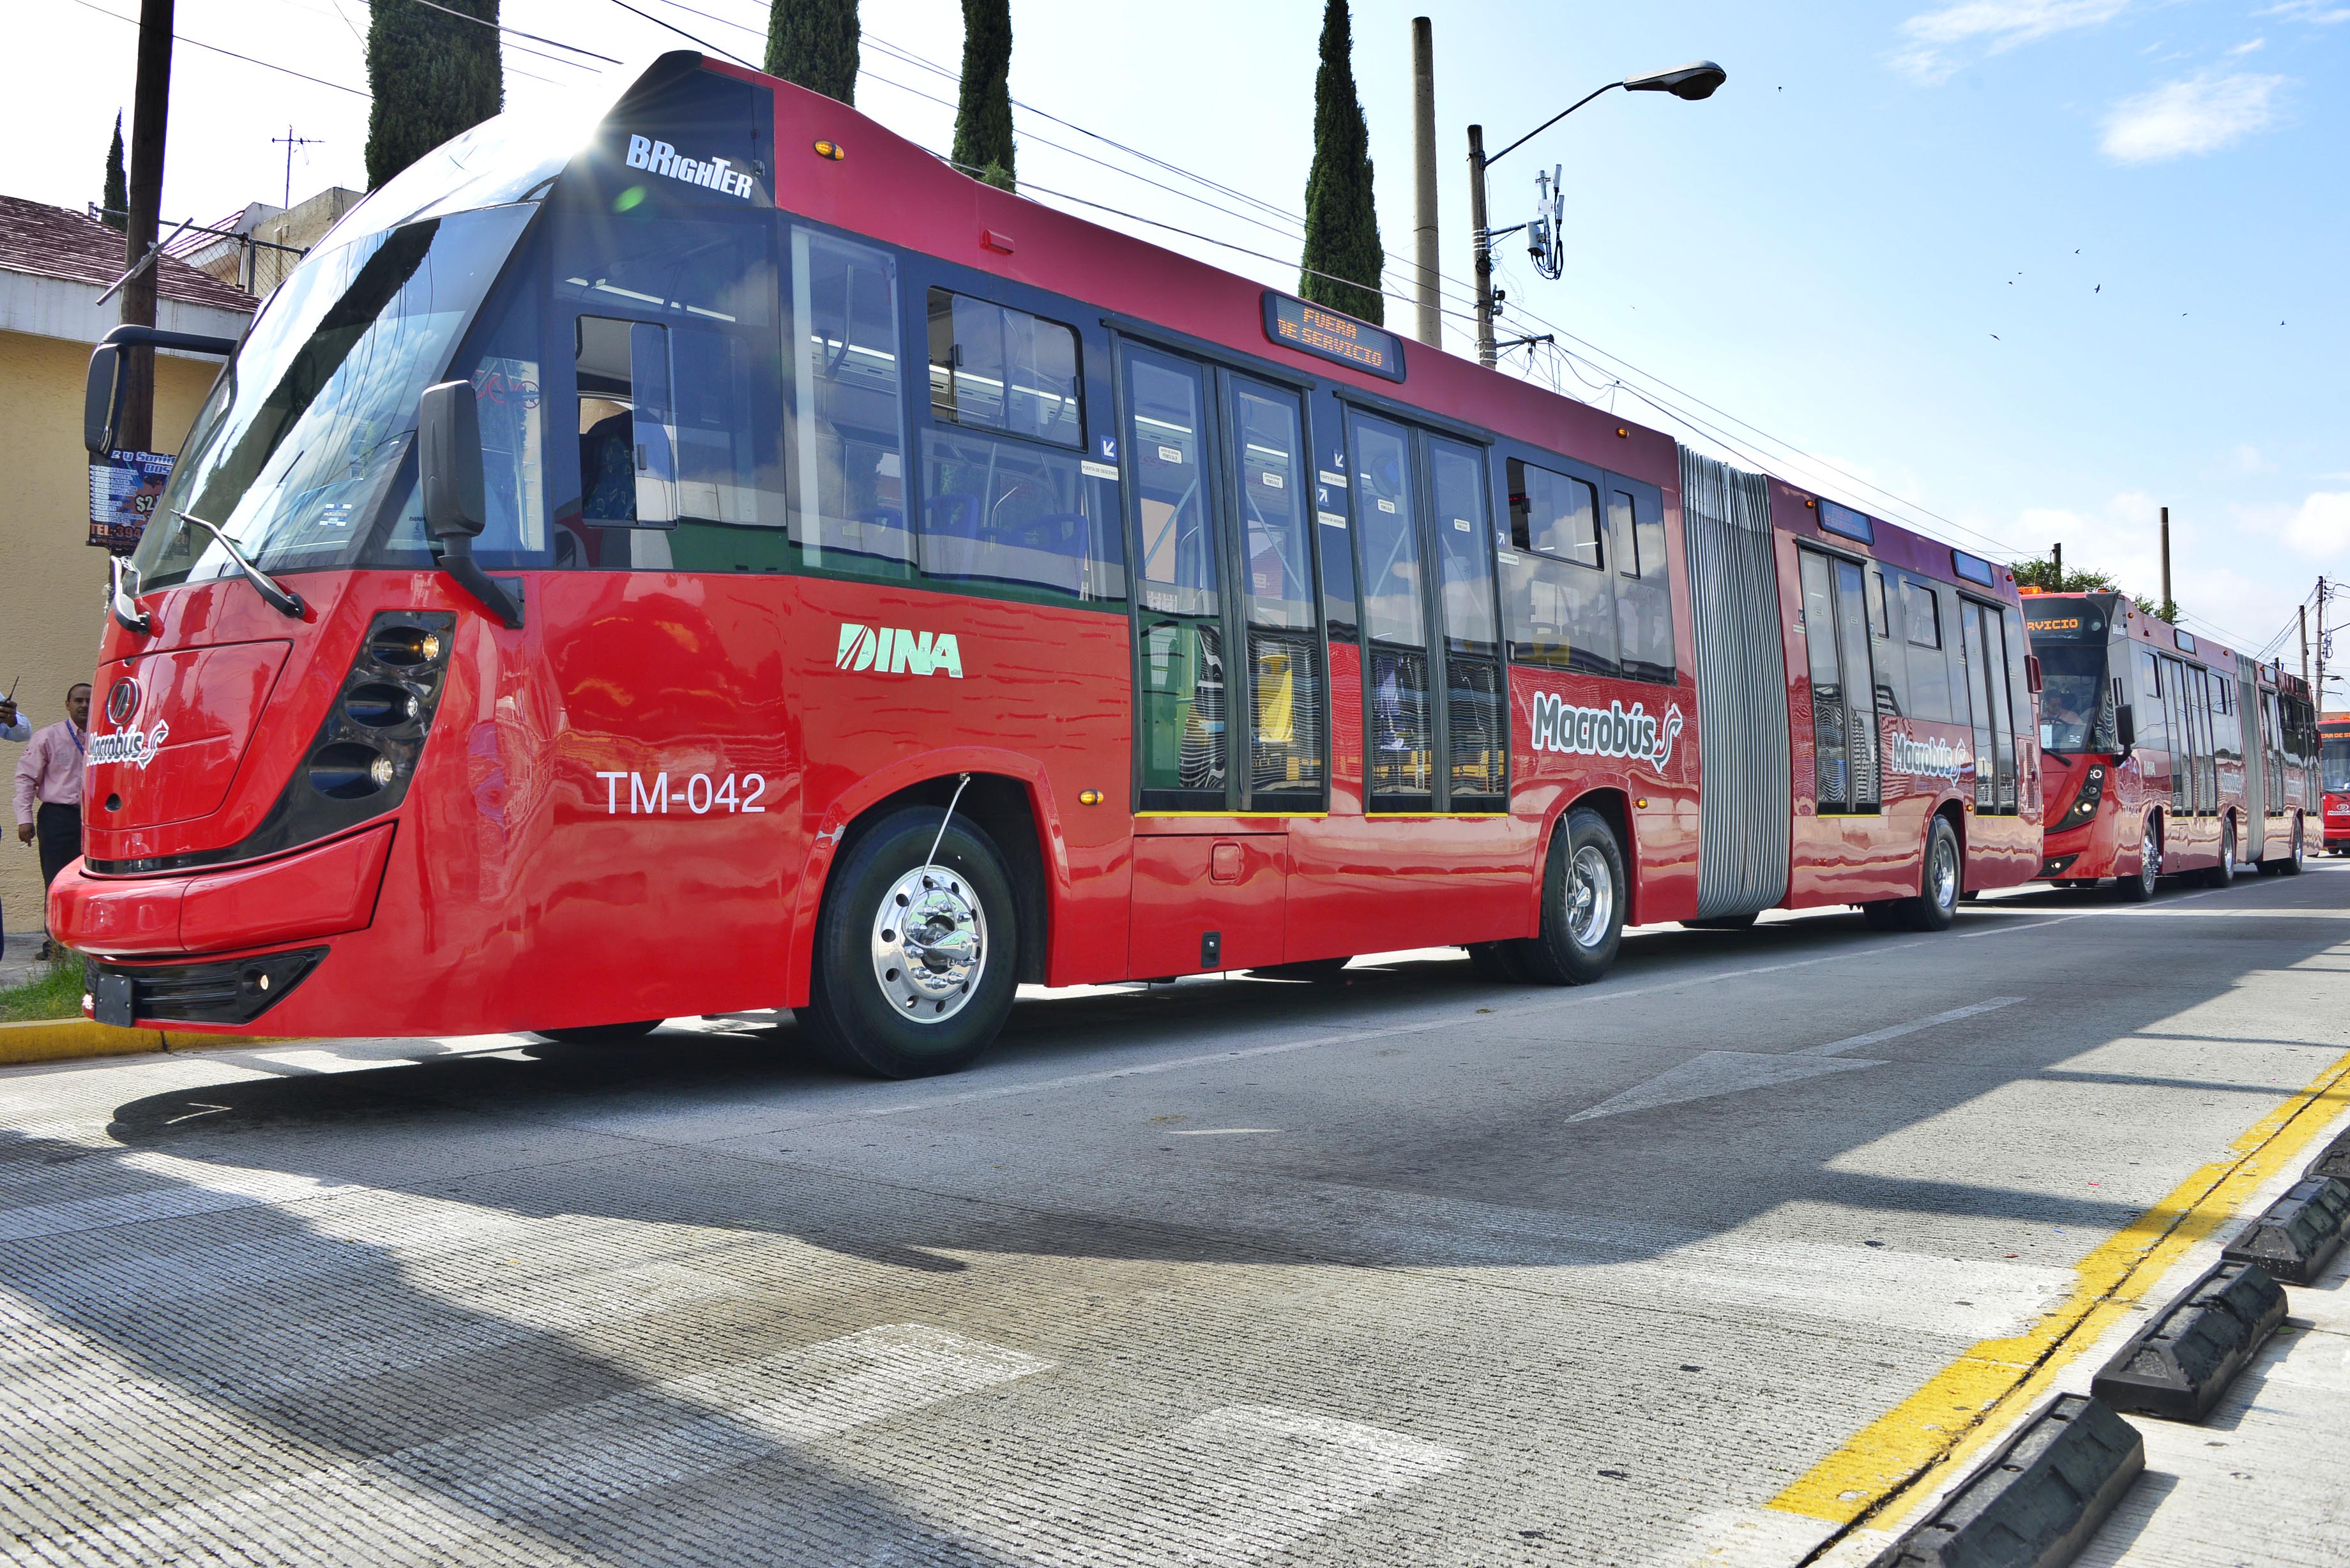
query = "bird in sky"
{"x": 1995, "y": 337}
{"x": 2099, "y": 289}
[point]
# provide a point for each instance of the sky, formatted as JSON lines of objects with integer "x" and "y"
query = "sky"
{"x": 2015, "y": 272}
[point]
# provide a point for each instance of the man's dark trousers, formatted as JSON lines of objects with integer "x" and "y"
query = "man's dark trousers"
{"x": 57, "y": 829}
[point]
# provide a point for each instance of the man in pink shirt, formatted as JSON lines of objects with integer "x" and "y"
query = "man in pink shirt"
{"x": 48, "y": 791}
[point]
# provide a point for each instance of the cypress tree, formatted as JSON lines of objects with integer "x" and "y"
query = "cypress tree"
{"x": 814, "y": 43}
{"x": 983, "y": 138}
{"x": 434, "y": 75}
{"x": 117, "y": 201}
{"x": 1342, "y": 225}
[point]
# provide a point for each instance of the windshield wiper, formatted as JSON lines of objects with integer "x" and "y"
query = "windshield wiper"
{"x": 282, "y": 599}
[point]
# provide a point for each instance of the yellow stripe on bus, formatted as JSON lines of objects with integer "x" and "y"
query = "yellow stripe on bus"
{"x": 1900, "y": 1459}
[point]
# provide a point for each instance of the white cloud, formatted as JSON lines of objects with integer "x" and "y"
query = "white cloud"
{"x": 2319, "y": 13}
{"x": 2321, "y": 526}
{"x": 2201, "y": 114}
{"x": 2250, "y": 48}
{"x": 2250, "y": 461}
{"x": 1941, "y": 41}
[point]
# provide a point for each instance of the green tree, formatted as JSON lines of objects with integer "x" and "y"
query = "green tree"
{"x": 2041, "y": 573}
{"x": 117, "y": 201}
{"x": 815, "y": 43}
{"x": 1342, "y": 226}
{"x": 983, "y": 138}
{"x": 434, "y": 75}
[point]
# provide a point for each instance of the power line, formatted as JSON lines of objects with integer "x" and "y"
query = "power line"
{"x": 517, "y": 32}
{"x": 232, "y": 54}
{"x": 681, "y": 33}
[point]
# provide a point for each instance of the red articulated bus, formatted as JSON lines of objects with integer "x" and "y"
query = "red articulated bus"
{"x": 2334, "y": 769}
{"x": 573, "y": 608}
{"x": 2166, "y": 752}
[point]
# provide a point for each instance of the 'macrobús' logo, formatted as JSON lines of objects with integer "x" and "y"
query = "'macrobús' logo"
{"x": 893, "y": 651}
{"x": 1635, "y": 735}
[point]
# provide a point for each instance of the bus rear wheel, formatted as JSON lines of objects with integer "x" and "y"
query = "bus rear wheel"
{"x": 2222, "y": 873}
{"x": 2137, "y": 887}
{"x": 917, "y": 954}
{"x": 1499, "y": 964}
{"x": 1582, "y": 903}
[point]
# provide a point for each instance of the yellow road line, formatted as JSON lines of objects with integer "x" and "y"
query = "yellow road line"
{"x": 1900, "y": 1459}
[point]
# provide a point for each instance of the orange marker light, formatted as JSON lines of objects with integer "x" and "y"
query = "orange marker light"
{"x": 1622, "y": 434}
{"x": 1089, "y": 798}
{"x": 831, "y": 149}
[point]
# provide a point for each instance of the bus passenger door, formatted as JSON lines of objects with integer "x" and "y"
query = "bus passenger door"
{"x": 1846, "y": 774}
{"x": 1229, "y": 710}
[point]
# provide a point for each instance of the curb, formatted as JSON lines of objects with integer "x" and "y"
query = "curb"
{"x": 2334, "y": 1161}
{"x": 2037, "y": 1500}
{"x": 69, "y": 1039}
{"x": 2299, "y": 1232}
{"x": 2178, "y": 1364}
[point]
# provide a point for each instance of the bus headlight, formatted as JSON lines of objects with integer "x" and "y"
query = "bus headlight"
{"x": 2084, "y": 804}
{"x": 374, "y": 733}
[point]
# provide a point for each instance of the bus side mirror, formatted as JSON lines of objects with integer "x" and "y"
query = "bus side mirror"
{"x": 101, "y": 400}
{"x": 449, "y": 462}
{"x": 2125, "y": 726}
{"x": 449, "y": 478}
{"x": 2032, "y": 672}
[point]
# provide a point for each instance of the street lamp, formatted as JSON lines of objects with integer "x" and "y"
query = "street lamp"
{"x": 1693, "y": 81}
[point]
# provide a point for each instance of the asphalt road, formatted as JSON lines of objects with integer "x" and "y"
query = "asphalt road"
{"x": 1734, "y": 1258}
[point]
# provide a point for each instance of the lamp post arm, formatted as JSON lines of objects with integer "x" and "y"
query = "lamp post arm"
{"x": 1492, "y": 159}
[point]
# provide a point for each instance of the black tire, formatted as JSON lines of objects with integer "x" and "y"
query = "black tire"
{"x": 601, "y": 1034}
{"x": 1884, "y": 915}
{"x": 868, "y": 988}
{"x": 1499, "y": 964}
{"x": 2291, "y": 864}
{"x": 1723, "y": 922}
{"x": 1579, "y": 939}
{"x": 1316, "y": 969}
{"x": 1939, "y": 876}
{"x": 2137, "y": 887}
{"x": 2224, "y": 873}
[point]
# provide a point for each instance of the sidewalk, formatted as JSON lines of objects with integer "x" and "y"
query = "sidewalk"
{"x": 16, "y": 965}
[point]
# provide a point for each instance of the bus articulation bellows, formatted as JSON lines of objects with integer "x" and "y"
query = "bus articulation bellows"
{"x": 739, "y": 562}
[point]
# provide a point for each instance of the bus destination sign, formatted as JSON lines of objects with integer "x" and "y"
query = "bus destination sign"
{"x": 1296, "y": 323}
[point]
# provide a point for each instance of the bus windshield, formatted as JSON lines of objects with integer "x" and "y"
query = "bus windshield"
{"x": 2333, "y": 764}
{"x": 2071, "y": 696}
{"x": 306, "y": 424}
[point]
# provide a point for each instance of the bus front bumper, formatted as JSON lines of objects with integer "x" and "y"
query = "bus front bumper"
{"x": 209, "y": 948}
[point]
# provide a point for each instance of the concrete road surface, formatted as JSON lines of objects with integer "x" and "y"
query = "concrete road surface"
{"x": 1736, "y": 1257}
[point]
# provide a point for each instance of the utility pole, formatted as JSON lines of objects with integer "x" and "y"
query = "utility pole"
{"x": 1483, "y": 273}
{"x": 150, "y": 102}
{"x": 2304, "y": 644}
{"x": 2167, "y": 602}
{"x": 2056, "y": 559}
{"x": 2317, "y": 692}
{"x": 291, "y": 142}
{"x": 1423, "y": 178}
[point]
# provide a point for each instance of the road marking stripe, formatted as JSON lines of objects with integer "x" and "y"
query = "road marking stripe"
{"x": 1238, "y": 1483}
{"x": 1901, "y": 1460}
{"x": 1896, "y": 1031}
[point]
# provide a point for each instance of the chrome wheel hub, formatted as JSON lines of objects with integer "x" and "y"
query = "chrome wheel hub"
{"x": 2149, "y": 859}
{"x": 930, "y": 944}
{"x": 1946, "y": 874}
{"x": 1590, "y": 897}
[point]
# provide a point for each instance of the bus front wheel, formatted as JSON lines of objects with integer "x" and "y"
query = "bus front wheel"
{"x": 2137, "y": 887}
{"x": 1582, "y": 903}
{"x": 917, "y": 952}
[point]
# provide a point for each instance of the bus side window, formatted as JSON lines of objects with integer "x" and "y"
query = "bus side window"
{"x": 849, "y": 492}
{"x": 1018, "y": 509}
{"x": 1644, "y": 597}
{"x": 1892, "y": 669}
{"x": 1921, "y": 628}
{"x": 1561, "y": 612}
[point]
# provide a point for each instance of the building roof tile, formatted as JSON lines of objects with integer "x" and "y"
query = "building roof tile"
{"x": 53, "y": 241}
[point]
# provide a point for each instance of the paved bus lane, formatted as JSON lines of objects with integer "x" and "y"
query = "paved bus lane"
{"x": 1410, "y": 1269}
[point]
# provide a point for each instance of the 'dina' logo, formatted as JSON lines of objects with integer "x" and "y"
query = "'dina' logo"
{"x": 1635, "y": 733}
{"x": 129, "y": 747}
{"x": 893, "y": 651}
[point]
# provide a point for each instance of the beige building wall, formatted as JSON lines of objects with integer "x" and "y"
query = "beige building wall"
{"x": 52, "y": 582}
